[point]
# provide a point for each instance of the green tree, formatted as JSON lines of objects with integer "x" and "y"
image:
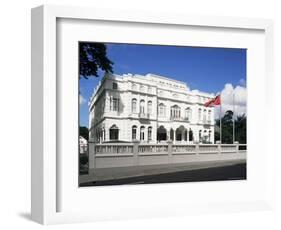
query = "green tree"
{"x": 227, "y": 128}
{"x": 93, "y": 56}
{"x": 241, "y": 129}
{"x": 84, "y": 132}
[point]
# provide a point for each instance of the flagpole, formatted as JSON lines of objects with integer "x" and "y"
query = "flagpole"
{"x": 233, "y": 134}
{"x": 220, "y": 125}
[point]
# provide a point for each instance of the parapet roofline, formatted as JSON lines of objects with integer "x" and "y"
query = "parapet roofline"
{"x": 146, "y": 77}
{"x": 165, "y": 78}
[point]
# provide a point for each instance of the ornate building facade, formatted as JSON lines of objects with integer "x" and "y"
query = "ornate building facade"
{"x": 150, "y": 108}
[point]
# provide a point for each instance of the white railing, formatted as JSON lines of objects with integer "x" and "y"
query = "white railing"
{"x": 228, "y": 148}
{"x": 150, "y": 148}
{"x": 183, "y": 148}
{"x": 132, "y": 154}
{"x": 113, "y": 148}
{"x": 164, "y": 147}
{"x": 144, "y": 115}
{"x": 208, "y": 148}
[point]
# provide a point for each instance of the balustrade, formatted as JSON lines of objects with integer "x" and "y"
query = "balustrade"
{"x": 184, "y": 148}
{"x": 102, "y": 148}
{"x": 164, "y": 148}
{"x": 152, "y": 148}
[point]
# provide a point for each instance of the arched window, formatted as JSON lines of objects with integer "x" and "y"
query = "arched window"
{"x": 190, "y": 135}
{"x": 134, "y": 86}
{"x": 142, "y": 133}
{"x": 175, "y": 95}
{"x": 142, "y": 107}
{"x": 199, "y": 114}
{"x": 172, "y": 134}
{"x": 134, "y": 132}
{"x": 175, "y": 111}
{"x": 134, "y": 105}
{"x": 149, "y": 107}
{"x": 113, "y": 133}
{"x": 209, "y": 136}
{"x": 149, "y": 133}
{"x": 161, "y": 110}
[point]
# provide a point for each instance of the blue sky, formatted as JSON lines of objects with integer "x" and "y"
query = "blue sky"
{"x": 205, "y": 69}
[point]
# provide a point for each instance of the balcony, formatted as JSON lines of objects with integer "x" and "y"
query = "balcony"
{"x": 206, "y": 122}
{"x": 179, "y": 119}
{"x": 144, "y": 115}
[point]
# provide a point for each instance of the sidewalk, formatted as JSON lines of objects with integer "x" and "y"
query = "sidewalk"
{"x": 105, "y": 174}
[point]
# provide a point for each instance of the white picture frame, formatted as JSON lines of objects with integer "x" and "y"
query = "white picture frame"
{"x": 46, "y": 181}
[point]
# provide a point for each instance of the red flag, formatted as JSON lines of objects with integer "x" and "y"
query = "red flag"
{"x": 214, "y": 101}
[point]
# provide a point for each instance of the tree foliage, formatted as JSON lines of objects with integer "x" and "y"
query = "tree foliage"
{"x": 93, "y": 56}
{"x": 84, "y": 132}
{"x": 227, "y": 128}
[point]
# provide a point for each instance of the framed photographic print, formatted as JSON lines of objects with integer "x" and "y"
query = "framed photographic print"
{"x": 138, "y": 114}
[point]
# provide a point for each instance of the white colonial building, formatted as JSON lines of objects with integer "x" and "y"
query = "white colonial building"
{"x": 149, "y": 108}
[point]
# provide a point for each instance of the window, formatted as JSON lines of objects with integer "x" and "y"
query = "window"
{"x": 142, "y": 88}
{"x": 175, "y": 112}
{"x": 199, "y": 114}
{"x": 188, "y": 114}
{"x": 114, "y": 104}
{"x": 142, "y": 107}
{"x": 114, "y": 85}
{"x": 114, "y": 133}
{"x": 209, "y": 115}
{"x": 142, "y": 133}
{"x": 200, "y": 135}
{"x": 175, "y": 95}
{"x": 149, "y": 89}
{"x": 149, "y": 107}
{"x": 134, "y": 86}
{"x": 190, "y": 135}
{"x": 204, "y": 115}
{"x": 134, "y": 132}
{"x": 209, "y": 136}
{"x": 149, "y": 133}
{"x": 161, "y": 110}
{"x": 134, "y": 105}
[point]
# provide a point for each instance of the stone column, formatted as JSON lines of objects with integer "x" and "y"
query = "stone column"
{"x": 219, "y": 146}
{"x": 136, "y": 152}
{"x": 170, "y": 151}
{"x": 91, "y": 157}
{"x": 237, "y": 146}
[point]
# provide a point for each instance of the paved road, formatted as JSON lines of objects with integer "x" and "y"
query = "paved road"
{"x": 228, "y": 172}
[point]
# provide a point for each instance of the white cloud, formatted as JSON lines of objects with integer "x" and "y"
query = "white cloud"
{"x": 242, "y": 82}
{"x": 227, "y": 99}
{"x": 82, "y": 100}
